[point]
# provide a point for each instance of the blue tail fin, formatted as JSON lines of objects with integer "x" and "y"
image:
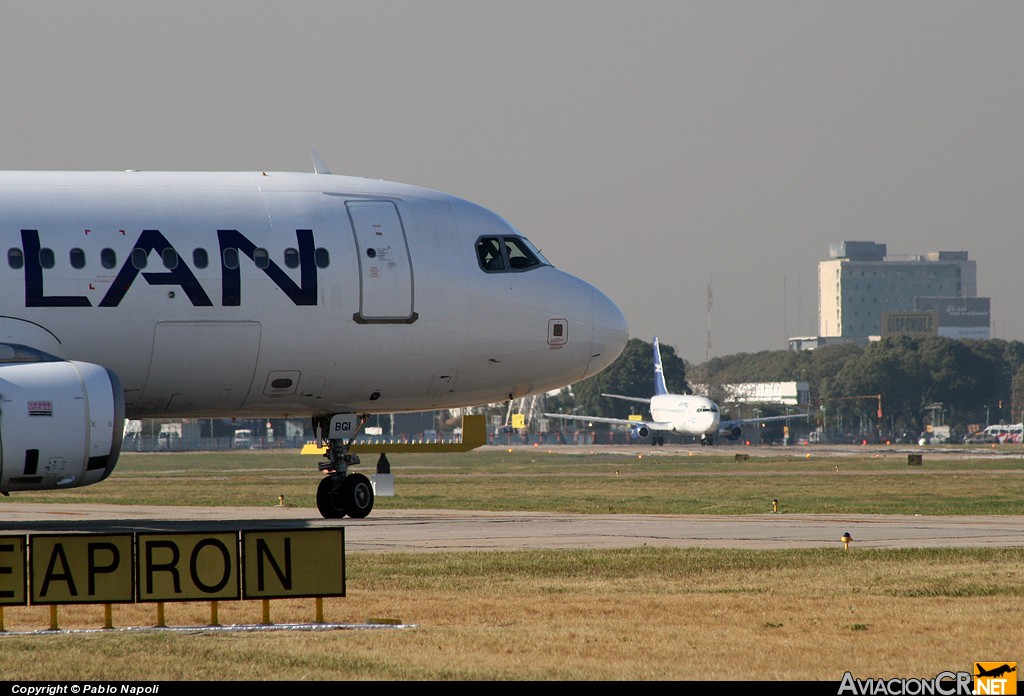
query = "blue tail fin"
{"x": 659, "y": 374}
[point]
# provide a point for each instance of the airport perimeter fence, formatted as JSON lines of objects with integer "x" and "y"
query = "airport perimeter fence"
{"x": 138, "y": 443}
{"x": 141, "y": 443}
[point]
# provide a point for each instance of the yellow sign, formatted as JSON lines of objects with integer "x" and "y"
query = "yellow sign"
{"x": 81, "y": 568}
{"x": 123, "y": 568}
{"x": 635, "y": 417}
{"x": 518, "y": 421}
{"x": 13, "y": 570}
{"x": 180, "y": 567}
{"x": 293, "y": 563}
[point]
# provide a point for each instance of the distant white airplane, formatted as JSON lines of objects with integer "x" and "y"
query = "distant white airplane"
{"x": 684, "y": 414}
{"x": 266, "y": 294}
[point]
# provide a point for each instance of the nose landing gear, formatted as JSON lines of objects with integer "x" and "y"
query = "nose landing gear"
{"x": 351, "y": 495}
{"x": 340, "y": 492}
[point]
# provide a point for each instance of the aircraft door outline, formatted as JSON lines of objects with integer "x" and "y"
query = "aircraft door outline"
{"x": 386, "y": 287}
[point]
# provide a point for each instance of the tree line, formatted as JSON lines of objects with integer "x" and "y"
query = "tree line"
{"x": 920, "y": 381}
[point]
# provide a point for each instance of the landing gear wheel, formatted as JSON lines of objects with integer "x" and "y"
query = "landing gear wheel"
{"x": 357, "y": 495}
{"x": 328, "y": 501}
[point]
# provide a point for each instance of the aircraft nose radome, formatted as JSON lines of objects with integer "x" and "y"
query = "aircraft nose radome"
{"x": 610, "y": 333}
{"x": 714, "y": 418}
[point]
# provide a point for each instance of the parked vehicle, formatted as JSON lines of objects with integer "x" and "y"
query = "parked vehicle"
{"x": 243, "y": 439}
{"x": 1000, "y": 433}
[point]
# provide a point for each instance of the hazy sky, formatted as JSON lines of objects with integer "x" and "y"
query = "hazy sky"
{"x": 653, "y": 148}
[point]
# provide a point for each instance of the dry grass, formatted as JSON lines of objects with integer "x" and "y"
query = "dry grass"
{"x": 639, "y": 614}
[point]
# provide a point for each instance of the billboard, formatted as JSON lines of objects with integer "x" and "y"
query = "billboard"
{"x": 959, "y": 317}
{"x": 910, "y": 324}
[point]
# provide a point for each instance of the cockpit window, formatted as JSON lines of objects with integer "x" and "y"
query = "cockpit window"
{"x": 520, "y": 255}
{"x": 506, "y": 254}
{"x": 488, "y": 251}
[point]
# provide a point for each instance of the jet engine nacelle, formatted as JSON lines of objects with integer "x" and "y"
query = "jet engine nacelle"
{"x": 733, "y": 433}
{"x": 639, "y": 431}
{"x": 61, "y": 422}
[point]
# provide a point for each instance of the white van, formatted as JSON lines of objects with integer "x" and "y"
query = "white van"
{"x": 243, "y": 439}
{"x": 1006, "y": 433}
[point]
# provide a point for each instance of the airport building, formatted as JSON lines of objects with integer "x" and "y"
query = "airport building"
{"x": 864, "y": 294}
{"x": 782, "y": 393}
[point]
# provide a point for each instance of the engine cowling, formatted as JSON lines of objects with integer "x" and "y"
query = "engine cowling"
{"x": 61, "y": 422}
{"x": 639, "y": 431}
{"x": 733, "y": 433}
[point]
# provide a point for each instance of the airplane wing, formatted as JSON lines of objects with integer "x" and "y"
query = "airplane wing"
{"x": 650, "y": 425}
{"x": 629, "y": 398}
{"x": 731, "y": 428}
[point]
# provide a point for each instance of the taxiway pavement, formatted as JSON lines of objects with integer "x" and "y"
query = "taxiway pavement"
{"x": 454, "y": 530}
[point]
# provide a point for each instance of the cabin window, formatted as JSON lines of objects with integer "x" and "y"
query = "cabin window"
{"x": 108, "y": 258}
{"x": 200, "y": 259}
{"x": 291, "y": 258}
{"x": 140, "y": 258}
{"x": 261, "y": 258}
{"x": 77, "y": 258}
{"x": 170, "y": 258}
{"x": 230, "y": 258}
{"x": 47, "y": 258}
{"x": 15, "y": 259}
{"x": 322, "y": 257}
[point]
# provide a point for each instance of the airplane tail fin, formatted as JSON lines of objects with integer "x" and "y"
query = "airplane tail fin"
{"x": 659, "y": 374}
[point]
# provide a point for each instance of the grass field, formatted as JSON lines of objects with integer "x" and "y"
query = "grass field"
{"x": 630, "y": 614}
{"x": 595, "y": 480}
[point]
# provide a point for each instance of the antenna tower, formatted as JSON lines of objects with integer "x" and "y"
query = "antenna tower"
{"x": 707, "y": 355}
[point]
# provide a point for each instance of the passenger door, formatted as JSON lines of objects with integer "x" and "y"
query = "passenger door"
{"x": 386, "y": 289}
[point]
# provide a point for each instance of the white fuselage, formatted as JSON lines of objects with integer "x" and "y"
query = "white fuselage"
{"x": 689, "y": 414}
{"x": 282, "y": 294}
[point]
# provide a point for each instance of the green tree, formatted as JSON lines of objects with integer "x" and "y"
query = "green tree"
{"x": 1001, "y": 360}
{"x": 1017, "y": 407}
